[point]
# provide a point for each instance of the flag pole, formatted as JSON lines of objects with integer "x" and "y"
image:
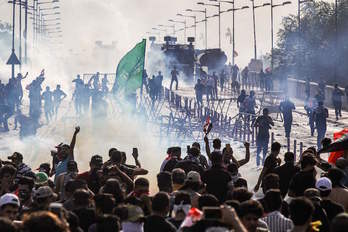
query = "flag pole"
{"x": 142, "y": 75}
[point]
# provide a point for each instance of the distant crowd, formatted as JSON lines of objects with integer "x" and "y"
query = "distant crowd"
{"x": 200, "y": 191}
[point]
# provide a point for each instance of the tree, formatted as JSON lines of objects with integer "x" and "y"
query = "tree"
{"x": 314, "y": 52}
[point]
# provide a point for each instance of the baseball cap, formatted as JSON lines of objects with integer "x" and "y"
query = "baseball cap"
{"x": 41, "y": 178}
{"x": 312, "y": 194}
{"x": 134, "y": 213}
{"x": 97, "y": 160}
{"x": 44, "y": 192}
{"x": 45, "y": 166}
{"x": 323, "y": 184}
{"x": 9, "y": 199}
{"x": 193, "y": 177}
{"x": 15, "y": 155}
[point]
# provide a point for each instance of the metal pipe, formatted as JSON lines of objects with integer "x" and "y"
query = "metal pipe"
{"x": 26, "y": 33}
{"x": 233, "y": 48}
{"x": 272, "y": 35}
{"x": 13, "y": 33}
{"x": 20, "y": 33}
{"x": 255, "y": 52}
{"x": 206, "y": 28}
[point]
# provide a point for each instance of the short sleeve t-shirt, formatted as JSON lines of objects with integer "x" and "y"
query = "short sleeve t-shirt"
{"x": 270, "y": 163}
{"x": 62, "y": 166}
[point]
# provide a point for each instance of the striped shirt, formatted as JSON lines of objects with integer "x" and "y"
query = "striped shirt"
{"x": 277, "y": 222}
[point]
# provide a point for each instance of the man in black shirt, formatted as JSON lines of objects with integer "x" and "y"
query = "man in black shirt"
{"x": 199, "y": 89}
{"x": 160, "y": 209}
{"x": 286, "y": 107}
{"x": 174, "y": 74}
{"x": 331, "y": 208}
{"x": 305, "y": 178}
{"x": 271, "y": 162}
{"x": 286, "y": 172}
{"x": 320, "y": 115}
{"x": 216, "y": 178}
{"x": 263, "y": 123}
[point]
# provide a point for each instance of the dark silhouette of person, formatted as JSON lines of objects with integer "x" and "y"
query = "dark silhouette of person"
{"x": 337, "y": 95}
{"x": 174, "y": 73}
{"x": 58, "y": 96}
{"x": 309, "y": 107}
{"x": 47, "y": 97}
{"x": 199, "y": 89}
{"x": 264, "y": 124}
{"x": 78, "y": 94}
{"x": 286, "y": 107}
{"x": 320, "y": 115}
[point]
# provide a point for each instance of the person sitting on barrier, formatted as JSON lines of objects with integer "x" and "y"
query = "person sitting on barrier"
{"x": 264, "y": 123}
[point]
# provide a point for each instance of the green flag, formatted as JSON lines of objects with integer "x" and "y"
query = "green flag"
{"x": 129, "y": 73}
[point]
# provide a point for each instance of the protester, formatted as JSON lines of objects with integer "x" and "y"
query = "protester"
{"x": 194, "y": 190}
{"x": 272, "y": 161}
{"x": 263, "y": 123}
{"x": 9, "y": 205}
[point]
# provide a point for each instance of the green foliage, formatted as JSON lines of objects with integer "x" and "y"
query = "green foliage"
{"x": 314, "y": 50}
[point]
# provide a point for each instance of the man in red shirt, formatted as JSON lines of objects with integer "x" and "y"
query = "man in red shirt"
{"x": 92, "y": 177}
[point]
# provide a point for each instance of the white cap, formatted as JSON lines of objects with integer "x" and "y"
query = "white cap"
{"x": 324, "y": 184}
{"x": 9, "y": 199}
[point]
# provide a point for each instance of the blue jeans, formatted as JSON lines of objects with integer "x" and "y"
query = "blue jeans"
{"x": 261, "y": 144}
{"x": 321, "y": 136}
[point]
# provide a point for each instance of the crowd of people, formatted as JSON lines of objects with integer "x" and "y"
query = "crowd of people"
{"x": 86, "y": 96}
{"x": 201, "y": 191}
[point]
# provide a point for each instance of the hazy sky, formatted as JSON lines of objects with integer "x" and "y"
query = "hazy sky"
{"x": 127, "y": 21}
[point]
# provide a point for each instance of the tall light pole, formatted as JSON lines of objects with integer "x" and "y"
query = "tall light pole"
{"x": 272, "y": 25}
{"x": 194, "y": 21}
{"x": 159, "y": 30}
{"x": 13, "y": 60}
{"x": 233, "y": 25}
{"x": 219, "y": 14}
{"x": 168, "y": 26}
{"x": 254, "y": 27}
{"x": 336, "y": 40}
{"x": 206, "y": 23}
{"x": 182, "y": 22}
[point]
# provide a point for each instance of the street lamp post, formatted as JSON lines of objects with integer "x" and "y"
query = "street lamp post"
{"x": 233, "y": 24}
{"x": 182, "y": 22}
{"x": 254, "y": 27}
{"x": 13, "y": 33}
{"x": 159, "y": 31}
{"x": 194, "y": 21}
{"x": 206, "y": 23}
{"x": 219, "y": 14}
{"x": 272, "y": 34}
{"x": 168, "y": 26}
{"x": 13, "y": 60}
